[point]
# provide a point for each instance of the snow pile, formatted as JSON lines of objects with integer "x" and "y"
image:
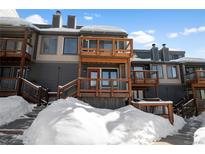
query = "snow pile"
{"x": 61, "y": 29}
{"x": 11, "y": 108}
{"x": 199, "y": 135}
{"x": 14, "y": 21}
{"x": 70, "y": 121}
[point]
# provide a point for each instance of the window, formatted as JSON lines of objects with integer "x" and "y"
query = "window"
{"x": 172, "y": 72}
{"x": 158, "y": 68}
{"x": 49, "y": 45}
{"x": 140, "y": 74}
{"x": 109, "y": 74}
{"x": 5, "y": 72}
{"x": 104, "y": 44}
{"x": 70, "y": 46}
{"x": 13, "y": 45}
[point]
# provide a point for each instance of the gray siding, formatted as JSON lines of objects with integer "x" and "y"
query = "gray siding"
{"x": 51, "y": 75}
{"x": 168, "y": 92}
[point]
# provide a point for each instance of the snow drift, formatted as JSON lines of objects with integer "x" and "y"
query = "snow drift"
{"x": 199, "y": 135}
{"x": 11, "y": 108}
{"x": 70, "y": 121}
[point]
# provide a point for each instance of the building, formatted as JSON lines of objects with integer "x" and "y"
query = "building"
{"x": 95, "y": 63}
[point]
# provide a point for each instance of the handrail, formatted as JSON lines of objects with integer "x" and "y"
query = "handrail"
{"x": 30, "y": 83}
{"x": 68, "y": 86}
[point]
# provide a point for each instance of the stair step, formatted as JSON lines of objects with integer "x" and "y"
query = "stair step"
{"x": 12, "y": 131}
{"x": 18, "y": 124}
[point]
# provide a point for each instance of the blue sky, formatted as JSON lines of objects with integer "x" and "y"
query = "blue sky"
{"x": 179, "y": 29}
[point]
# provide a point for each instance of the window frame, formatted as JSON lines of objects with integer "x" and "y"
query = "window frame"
{"x": 158, "y": 71}
{"x": 41, "y": 47}
{"x": 177, "y": 75}
{"x": 101, "y": 75}
{"x": 64, "y": 46}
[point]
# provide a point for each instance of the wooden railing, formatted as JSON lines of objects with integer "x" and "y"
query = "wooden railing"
{"x": 197, "y": 76}
{"x": 69, "y": 89}
{"x": 145, "y": 77}
{"x": 186, "y": 109}
{"x": 16, "y": 52}
{"x": 89, "y": 87}
{"x": 95, "y": 46}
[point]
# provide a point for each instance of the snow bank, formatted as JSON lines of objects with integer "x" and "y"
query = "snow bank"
{"x": 11, "y": 108}
{"x": 70, "y": 121}
{"x": 199, "y": 135}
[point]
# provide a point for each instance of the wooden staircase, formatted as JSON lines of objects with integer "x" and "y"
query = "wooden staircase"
{"x": 186, "y": 108}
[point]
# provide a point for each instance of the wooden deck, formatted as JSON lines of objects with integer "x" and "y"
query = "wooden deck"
{"x": 14, "y": 53}
{"x": 116, "y": 47}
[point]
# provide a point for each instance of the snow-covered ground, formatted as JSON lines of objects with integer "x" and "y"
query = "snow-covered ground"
{"x": 11, "y": 108}
{"x": 199, "y": 135}
{"x": 70, "y": 121}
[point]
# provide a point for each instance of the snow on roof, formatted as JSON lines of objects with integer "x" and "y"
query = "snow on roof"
{"x": 134, "y": 58}
{"x": 8, "y": 13}
{"x": 102, "y": 28}
{"x": 189, "y": 59}
{"x": 16, "y": 22}
{"x": 62, "y": 29}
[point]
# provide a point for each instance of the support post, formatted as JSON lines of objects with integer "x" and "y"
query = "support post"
{"x": 22, "y": 63}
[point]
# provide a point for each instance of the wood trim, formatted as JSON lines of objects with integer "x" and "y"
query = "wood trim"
{"x": 102, "y": 60}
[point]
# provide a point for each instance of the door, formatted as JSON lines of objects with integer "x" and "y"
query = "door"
{"x": 94, "y": 74}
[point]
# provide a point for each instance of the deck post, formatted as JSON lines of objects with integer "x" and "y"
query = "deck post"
{"x": 22, "y": 63}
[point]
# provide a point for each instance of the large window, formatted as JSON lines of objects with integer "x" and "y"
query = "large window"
{"x": 109, "y": 74}
{"x": 172, "y": 72}
{"x": 105, "y": 44}
{"x": 13, "y": 45}
{"x": 49, "y": 45}
{"x": 70, "y": 46}
{"x": 158, "y": 68}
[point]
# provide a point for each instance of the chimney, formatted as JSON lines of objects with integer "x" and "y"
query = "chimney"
{"x": 154, "y": 53}
{"x": 57, "y": 20}
{"x": 71, "y": 22}
{"x": 164, "y": 53}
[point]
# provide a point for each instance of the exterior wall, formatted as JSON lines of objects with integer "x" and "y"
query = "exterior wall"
{"x": 167, "y": 92}
{"x": 59, "y": 56}
{"x": 52, "y": 74}
{"x": 108, "y": 103}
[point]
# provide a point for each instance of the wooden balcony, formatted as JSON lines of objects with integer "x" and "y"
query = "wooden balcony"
{"x": 88, "y": 87}
{"x": 144, "y": 79}
{"x": 105, "y": 47}
{"x": 6, "y": 51}
{"x": 196, "y": 79}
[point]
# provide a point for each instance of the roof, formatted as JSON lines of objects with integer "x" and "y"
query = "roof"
{"x": 15, "y": 22}
{"x": 189, "y": 60}
{"x": 62, "y": 29}
{"x": 102, "y": 29}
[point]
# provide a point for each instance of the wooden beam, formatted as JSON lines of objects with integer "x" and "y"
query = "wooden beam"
{"x": 102, "y": 60}
{"x": 23, "y": 52}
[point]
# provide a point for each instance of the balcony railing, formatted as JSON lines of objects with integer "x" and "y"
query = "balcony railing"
{"x": 101, "y": 46}
{"x": 145, "y": 78}
{"x": 12, "y": 47}
{"x": 197, "y": 76}
{"x": 89, "y": 87}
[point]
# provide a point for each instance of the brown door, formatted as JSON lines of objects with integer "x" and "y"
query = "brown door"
{"x": 94, "y": 74}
